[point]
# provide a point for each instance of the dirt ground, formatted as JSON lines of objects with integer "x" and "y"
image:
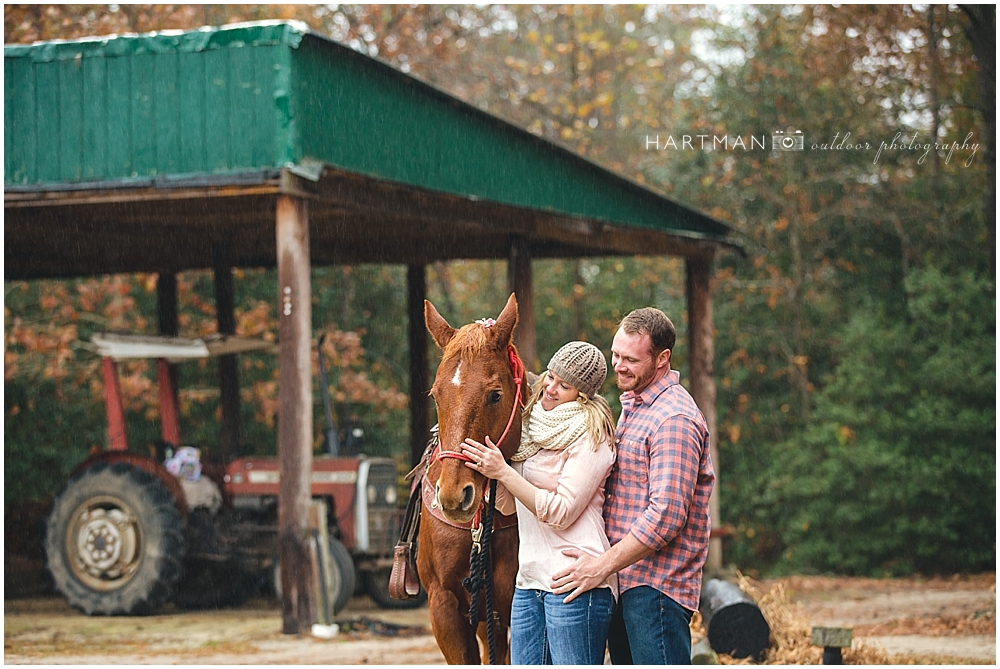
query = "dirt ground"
{"x": 926, "y": 621}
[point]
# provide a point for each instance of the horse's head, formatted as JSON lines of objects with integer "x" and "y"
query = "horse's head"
{"x": 475, "y": 391}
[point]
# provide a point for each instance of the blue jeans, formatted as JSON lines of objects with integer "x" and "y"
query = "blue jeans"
{"x": 543, "y": 630}
{"x": 649, "y": 628}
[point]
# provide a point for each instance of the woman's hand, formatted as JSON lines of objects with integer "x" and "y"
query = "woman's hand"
{"x": 486, "y": 458}
{"x": 488, "y": 461}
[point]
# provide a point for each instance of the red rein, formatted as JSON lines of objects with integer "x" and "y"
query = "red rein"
{"x": 517, "y": 368}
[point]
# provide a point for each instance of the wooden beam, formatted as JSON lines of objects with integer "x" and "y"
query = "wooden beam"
{"x": 416, "y": 293}
{"x": 702, "y": 347}
{"x": 295, "y": 411}
{"x": 124, "y": 195}
{"x": 519, "y": 280}
{"x": 229, "y": 380}
{"x": 354, "y": 219}
{"x": 559, "y": 236}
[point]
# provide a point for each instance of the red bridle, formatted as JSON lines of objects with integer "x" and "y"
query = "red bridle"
{"x": 517, "y": 369}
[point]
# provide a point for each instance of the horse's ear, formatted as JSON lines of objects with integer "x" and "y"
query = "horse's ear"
{"x": 506, "y": 322}
{"x": 438, "y": 326}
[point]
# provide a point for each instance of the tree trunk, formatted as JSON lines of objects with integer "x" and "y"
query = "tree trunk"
{"x": 981, "y": 30}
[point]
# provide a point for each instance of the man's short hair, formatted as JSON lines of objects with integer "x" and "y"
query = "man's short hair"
{"x": 653, "y": 322}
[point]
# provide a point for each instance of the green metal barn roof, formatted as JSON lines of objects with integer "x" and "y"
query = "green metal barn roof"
{"x": 110, "y": 123}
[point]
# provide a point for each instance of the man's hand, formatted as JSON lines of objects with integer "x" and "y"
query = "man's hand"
{"x": 585, "y": 574}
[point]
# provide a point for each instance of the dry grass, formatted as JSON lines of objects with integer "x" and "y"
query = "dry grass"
{"x": 790, "y": 632}
{"x": 973, "y": 624}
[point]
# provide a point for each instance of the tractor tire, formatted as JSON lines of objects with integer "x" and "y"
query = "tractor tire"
{"x": 341, "y": 583}
{"x": 377, "y": 584}
{"x": 215, "y": 585}
{"x": 348, "y": 575}
{"x": 115, "y": 541}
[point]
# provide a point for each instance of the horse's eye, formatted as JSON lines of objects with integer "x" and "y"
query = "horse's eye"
{"x": 493, "y": 397}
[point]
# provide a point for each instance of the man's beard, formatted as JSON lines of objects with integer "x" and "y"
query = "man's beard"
{"x": 640, "y": 380}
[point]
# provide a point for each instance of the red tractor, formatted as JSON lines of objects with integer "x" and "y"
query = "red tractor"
{"x": 127, "y": 534}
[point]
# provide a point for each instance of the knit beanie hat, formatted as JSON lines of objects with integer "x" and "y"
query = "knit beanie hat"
{"x": 581, "y": 365}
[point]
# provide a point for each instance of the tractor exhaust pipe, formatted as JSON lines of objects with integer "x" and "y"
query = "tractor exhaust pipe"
{"x": 332, "y": 441}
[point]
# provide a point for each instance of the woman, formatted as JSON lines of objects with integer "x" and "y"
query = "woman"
{"x": 557, "y": 479}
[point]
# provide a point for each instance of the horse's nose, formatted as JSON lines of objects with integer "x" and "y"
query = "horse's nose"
{"x": 468, "y": 497}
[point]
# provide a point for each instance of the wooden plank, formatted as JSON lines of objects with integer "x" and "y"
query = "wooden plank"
{"x": 47, "y": 100}
{"x": 119, "y": 119}
{"x": 416, "y": 293}
{"x": 95, "y": 118}
{"x": 295, "y": 407}
{"x": 241, "y": 106}
{"x": 262, "y": 133}
{"x": 20, "y": 121}
{"x": 166, "y": 112}
{"x": 12, "y": 99}
{"x": 617, "y": 239}
{"x": 217, "y": 119}
{"x": 702, "y": 372}
{"x": 71, "y": 119}
{"x": 143, "y": 119}
{"x": 519, "y": 281}
{"x": 191, "y": 87}
{"x": 834, "y": 637}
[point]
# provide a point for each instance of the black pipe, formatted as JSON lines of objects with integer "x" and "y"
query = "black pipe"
{"x": 734, "y": 624}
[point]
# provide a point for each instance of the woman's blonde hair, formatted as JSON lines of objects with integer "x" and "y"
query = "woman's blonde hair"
{"x": 600, "y": 421}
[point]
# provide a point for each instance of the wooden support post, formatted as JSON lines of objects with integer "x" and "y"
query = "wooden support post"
{"x": 166, "y": 306}
{"x": 416, "y": 293}
{"x": 702, "y": 376}
{"x": 295, "y": 414}
{"x": 229, "y": 382}
{"x": 832, "y": 640}
{"x": 519, "y": 280}
{"x": 323, "y": 572}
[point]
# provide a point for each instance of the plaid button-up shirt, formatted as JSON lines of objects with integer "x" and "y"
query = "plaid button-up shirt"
{"x": 659, "y": 489}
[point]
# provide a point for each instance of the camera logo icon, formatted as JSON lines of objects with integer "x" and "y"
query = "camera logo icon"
{"x": 782, "y": 142}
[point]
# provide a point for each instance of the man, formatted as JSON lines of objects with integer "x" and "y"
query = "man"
{"x": 656, "y": 508}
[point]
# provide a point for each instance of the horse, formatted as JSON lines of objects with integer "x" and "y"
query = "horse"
{"x": 479, "y": 391}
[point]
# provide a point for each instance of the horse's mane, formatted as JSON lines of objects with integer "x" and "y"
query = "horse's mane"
{"x": 468, "y": 342}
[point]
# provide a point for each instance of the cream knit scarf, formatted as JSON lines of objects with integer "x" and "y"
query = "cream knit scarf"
{"x": 552, "y": 430}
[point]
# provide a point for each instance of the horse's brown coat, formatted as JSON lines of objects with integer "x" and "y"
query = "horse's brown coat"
{"x": 468, "y": 408}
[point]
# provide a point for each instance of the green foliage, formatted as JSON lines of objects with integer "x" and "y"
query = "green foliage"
{"x": 897, "y": 470}
{"x": 45, "y": 437}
